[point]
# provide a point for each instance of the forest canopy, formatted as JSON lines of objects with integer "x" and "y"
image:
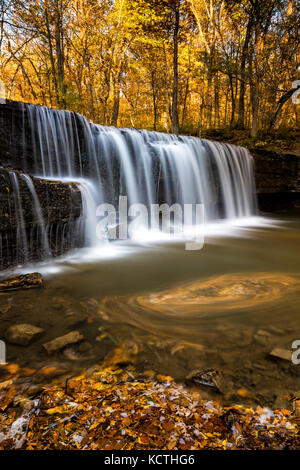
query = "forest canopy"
{"x": 168, "y": 65}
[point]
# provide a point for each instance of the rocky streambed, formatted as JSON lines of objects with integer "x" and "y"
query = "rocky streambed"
{"x": 220, "y": 324}
{"x": 232, "y": 362}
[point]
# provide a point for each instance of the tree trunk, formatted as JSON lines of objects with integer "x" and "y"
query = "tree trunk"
{"x": 186, "y": 93}
{"x": 200, "y": 118}
{"x": 154, "y": 100}
{"x": 116, "y": 104}
{"x": 209, "y": 89}
{"x": 279, "y": 105}
{"x": 168, "y": 109}
{"x": 59, "y": 42}
{"x": 241, "y": 112}
{"x": 254, "y": 105}
{"x": 115, "y": 111}
{"x": 232, "y": 101}
{"x": 254, "y": 86}
{"x": 53, "y": 70}
{"x": 216, "y": 102}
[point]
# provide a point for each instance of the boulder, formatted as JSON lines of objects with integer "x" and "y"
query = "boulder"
{"x": 283, "y": 354}
{"x": 206, "y": 378}
{"x": 62, "y": 341}
{"x": 23, "y": 334}
{"x": 24, "y": 281}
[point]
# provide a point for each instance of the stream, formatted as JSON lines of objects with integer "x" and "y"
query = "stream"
{"x": 165, "y": 309}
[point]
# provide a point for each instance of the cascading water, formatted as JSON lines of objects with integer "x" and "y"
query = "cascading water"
{"x": 45, "y": 248}
{"x": 147, "y": 167}
{"x": 29, "y": 231}
{"x": 22, "y": 242}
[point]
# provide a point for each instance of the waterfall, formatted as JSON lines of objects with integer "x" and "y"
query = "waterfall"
{"x": 43, "y": 236}
{"x": 25, "y": 234}
{"x": 148, "y": 167}
{"x": 22, "y": 242}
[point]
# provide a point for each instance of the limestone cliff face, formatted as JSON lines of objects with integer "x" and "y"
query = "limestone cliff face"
{"x": 276, "y": 173}
{"x": 25, "y": 223}
{"x": 277, "y": 179}
{"x": 59, "y": 201}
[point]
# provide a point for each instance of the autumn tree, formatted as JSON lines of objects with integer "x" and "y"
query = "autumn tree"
{"x": 171, "y": 65}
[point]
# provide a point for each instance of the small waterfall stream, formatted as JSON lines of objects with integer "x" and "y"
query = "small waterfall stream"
{"x": 45, "y": 248}
{"x": 22, "y": 242}
{"x": 148, "y": 167}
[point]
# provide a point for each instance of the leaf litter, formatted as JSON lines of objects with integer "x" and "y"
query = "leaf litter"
{"x": 110, "y": 407}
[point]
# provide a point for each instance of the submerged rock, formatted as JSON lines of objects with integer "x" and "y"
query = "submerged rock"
{"x": 62, "y": 341}
{"x": 280, "y": 353}
{"x": 23, "y": 334}
{"x": 207, "y": 378}
{"x": 24, "y": 281}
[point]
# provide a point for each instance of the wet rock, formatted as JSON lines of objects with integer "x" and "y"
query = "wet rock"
{"x": 207, "y": 378}
{"x": 62, "y": 341}
{"x": 23, "y": 334}
{"x": 24, "y": 281}
{"x": 283, "y": 354}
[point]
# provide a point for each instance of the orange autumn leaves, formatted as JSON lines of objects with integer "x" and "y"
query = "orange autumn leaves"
{"x": 113, "y": 408}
